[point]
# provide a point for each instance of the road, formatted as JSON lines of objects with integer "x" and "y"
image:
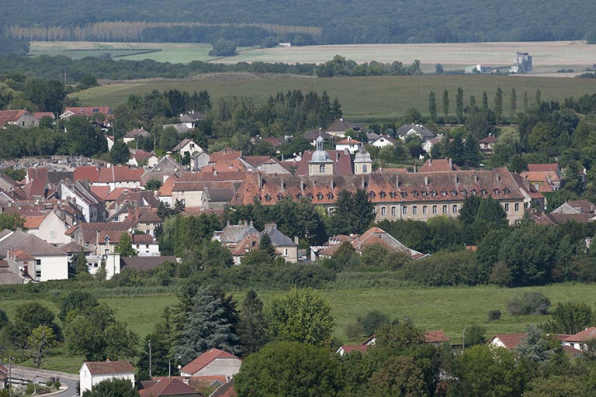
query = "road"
{"x": 69, "y": 380}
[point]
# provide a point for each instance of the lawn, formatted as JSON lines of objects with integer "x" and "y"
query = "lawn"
{"x": 361, "y": 97}
{"x": 449, "y": 309}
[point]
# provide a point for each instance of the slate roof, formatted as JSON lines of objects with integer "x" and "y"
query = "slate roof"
{"x": 183, "y": 143}
{"x": 145, "y": 263}
{"x": 28, "y": 243}
{"x": 387, "y": 138}
{"x": 314, "y": 134}
{"x": 235, "y": 233}
{"x": 134, "y": 134}
{"x": 205, "y": 359}
{"x": 225, "y": 390}
{"x": 109, "y": 367}
{"x": 277, "y": 237}
{"x": 420, "y": 129}
{"x": 342, "y": 125}
{"x": 342, "y": 162}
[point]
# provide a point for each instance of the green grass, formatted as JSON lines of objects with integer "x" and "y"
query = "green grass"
{"x": 361, "y": 97}
{"x": 449, "y": 309}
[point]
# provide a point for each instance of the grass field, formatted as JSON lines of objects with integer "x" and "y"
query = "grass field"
{"x": 449, "y": 309}
{"x": 361, "y": 97}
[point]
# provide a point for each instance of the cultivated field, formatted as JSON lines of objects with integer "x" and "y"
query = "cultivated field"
{"x": 449, "y": 309}
{"x": 361, "y": 97}
{"x": 548, "y": 56}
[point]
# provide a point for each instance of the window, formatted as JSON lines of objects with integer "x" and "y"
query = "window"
{"x": 516, "y": 207}
{"x": 393, "y": 211}
{"x": 52, "y": 234}
{"x": 383, "y": 211}
{"x": 444, "y": 209}
{"x": 434, "y": 209}
{"x": 364, "y": 168}
{"x": 322, "y": 169}
{"x": 285, "y": 252}
{"x": 38, "y": 274}
{"x": 404, "y": 210}
{"x": 507, "y": 207}
{"x": 414, "y": 210}
{"x": 146, "y": 245}
{"x": 454, "y": 209}
{"x": 424, "y": 209}
{"x": 183, "y": 201}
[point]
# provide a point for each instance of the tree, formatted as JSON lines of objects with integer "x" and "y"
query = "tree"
{"x": 488, "y": 371}
{"x": 153, "y": 184}
{"x": 77, "y": 300}
{"x": 512, "y": 103}
{"x": 438, "y": 68}
{"x": 223, "y": 48}
{"x": 124, "y": 246}
{"x": 398, "y": 376}
{"x": 472, "y": 154}
{"x": 205, "y": 326}
{"x": 474, "y": 335}
{"x": 534, "y": 347}
{"x": 353, "y": 213}
{"x": 266, "y": 246}
{"x": 41, "y": 339}
{"x": 373, "y": 321}
{"x": 253, "y": 328}
{"x": 80, "y": 263}
{"x": 289, "y": 368}
{"x": 161, "y": 346}
{"x": 570, "y": 318}
{"x": 446, "y": 103}
{"x": 112, "y": 388}
{"x": 499, "y": 104}
{"x": 83, "y": 138}
{"x": 432, "y": 106}
{"x": 3, "y": 319}
{"x": 538, "y": 97}
{"x": 484, "y": 101}
{"x": 302, "y": 315}
{"x": 120, "y": 154}
{"x": 47, "y": 95}
{"x": 459, "y": 105}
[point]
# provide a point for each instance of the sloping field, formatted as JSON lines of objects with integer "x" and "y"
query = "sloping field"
{"x": 383, "y": 96}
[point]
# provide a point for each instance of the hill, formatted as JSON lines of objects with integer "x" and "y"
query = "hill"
{"x": 345, "y": 21}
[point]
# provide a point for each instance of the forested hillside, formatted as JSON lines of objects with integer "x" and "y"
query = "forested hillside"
{"x": 345, "y": 21}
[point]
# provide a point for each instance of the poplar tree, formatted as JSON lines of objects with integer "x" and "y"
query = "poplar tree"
{"x": 446, "y": 103}
{"x": 432, "y": 106}
{"x": 253, "y": 329}
{"x": 499, "y": 105}
{"x": 512, "y": 103}
{"x": 459, "y": 105}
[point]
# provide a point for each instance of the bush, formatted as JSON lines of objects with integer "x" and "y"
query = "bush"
{"x": 372, "y": 322}
{"x": 528, "y": 303}
{"x": 494, "y": 315}
{"x": 354, "y": 330}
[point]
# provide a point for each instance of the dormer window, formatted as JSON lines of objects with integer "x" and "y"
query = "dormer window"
{"x": 496, "y": 191}
{"x": 433, "y": 193}
{"x": 382, "y": 194}
{"x": 474, "y": 192}
{"x": 464, "y": 192}
{"x": 443, "y": 192}
{"x": 403, "y": 193}
{"x": 280, "y": 196}
{"x": 506, "y": 190}
{"x": 483, "y": 192}
{"x": 372, "y": 195}
{"x": 258, "y": 197}
{"x": 309, "y": 195}
{"x": 453, "y": 192}
{"x": 424, "y": 193}
{"x": 320, "y": 196}
{"x": 415, "y": 193}
{"x": 267, "y": 197}
{"x": 392, "y": 194}
{"x": 299, "y": 196}
{"x": 330, "y": 195}
{"x": 289, "y": 196}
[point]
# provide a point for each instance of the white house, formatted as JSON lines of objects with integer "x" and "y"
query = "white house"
{"x": 31, "y": 258}
{"x": 211, "y": 363}
{"x": 145, "y": 245}
{"x": 187, "y": 146}
{"x": 48, "y": 227}
{"x": 83, "y": 198}
{"x": 348, "y": 144}
{"x": 91, "y": 373}
{"x": 578, "y": 341}
{"x": 384, "y": 140}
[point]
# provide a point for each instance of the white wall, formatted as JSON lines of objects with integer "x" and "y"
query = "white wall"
{"x": 87, "y": 381}
{"x": 220, "y": 366}
{"x": 143, "y": 250}
{"x": 52, "y": 230}
{"x": 53, "y": 267}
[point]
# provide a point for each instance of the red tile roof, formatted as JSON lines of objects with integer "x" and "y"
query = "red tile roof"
{"x": 117, "y": 192}
{"x": 225, "y": 154}
{"x": 350, "y": 348}
{"x": 100, "y": 191}
{"x": 88, "y": 172}
{"x": 22, "y": 255}
{"x": 438, "y": 165}
{"x": 168, "y": 387}
{"x": 40, "y": 115}
{"x": 109, "y": 367}
{"x": 89, "y": 111}
{"x": 552, "y": 167}
{"x": 166, "y": 189}
{"x": 488, "y": 139}
{"x": 10, "y": 116}
{"x": 33, "y": 222}
{"x": 142, "y": 239}
{"x": 348, "y": 141}
{"x": 588, "y": 333}
{"x": 511, "y": 341}
{"x": 437, "y": 336}
{"x": 205, "y": 359}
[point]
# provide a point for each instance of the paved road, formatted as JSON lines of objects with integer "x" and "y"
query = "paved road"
{"x": 41, "y": 375}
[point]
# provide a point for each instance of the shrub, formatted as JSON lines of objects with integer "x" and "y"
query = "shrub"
{"x": 372, "y": 322}
{"x": 354, "y": 330}
{"x": 494, "y": 315}
{"x": 528, "y": 303}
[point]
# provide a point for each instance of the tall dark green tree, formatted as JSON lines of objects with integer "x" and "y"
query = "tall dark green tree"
{"x": 499, "y": 104}
{"x": 459, "y": 105}
{"x": 446, "y": 103}
{"x": 253, "y": 328}
{"x": 266, "y": 246}
{"x": 120, "y": 154}
{"x": 512, "y": 103}
{"x": 112, "y": 388}
{"x": 206, "y": 327}
{"x": 484, "y": 101}
{"x": 47, "y": 95}
{"x": 472, "y": 154}
{"x": 353, "y": 213}
{"x": 432, "y": 106}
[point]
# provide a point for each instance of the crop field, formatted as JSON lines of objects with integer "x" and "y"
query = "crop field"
{"x": 449, "y": 309}
{"x": 361, "y": 97}
{"x": 548, "y": 56}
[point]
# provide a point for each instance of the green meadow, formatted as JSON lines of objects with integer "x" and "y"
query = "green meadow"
{"x": 361, "y": 97}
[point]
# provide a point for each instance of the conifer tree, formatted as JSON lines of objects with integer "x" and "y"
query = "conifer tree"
{"x": 459, "y": 105}
{"x": 253, "y": 329}
{"x": 265, "y": 245}
{"x": 432, "y": 106}
{"x": 446, "y": 103}
{"x": 499, "y": 105}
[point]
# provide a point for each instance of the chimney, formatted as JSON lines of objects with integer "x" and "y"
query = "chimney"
{"x": 282, "y": 185}
{"x": 430, "y": 161}
{"x": 426, "y": 181}
{"x": 415, "y": 168}
{"x": 363, "y": 183}
{"x": 296, "y": 240}
{"x": 456, "y": 179}
{"x": 475, "y": 178}
{"x": 337, "y": 155}
{"x": 214, "y": 172}
{"x": 450, "y": 164}
{"x": 302, "y": 186}
{"x": 260, "y": 180}
{"x": 396, "y": 180}
{"x": 346, "y": 151}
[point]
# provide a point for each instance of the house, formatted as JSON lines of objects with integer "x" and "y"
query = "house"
{"x": 578, "y": 341}
{"x": 145, "y": 245}
{"x": 284, "y": 246}
{"x": 428, "y": 143}
{"x": 140, "y": 158}
{"x": 347, "y": 349}
{"x": 111, "y": 140}
{"x": 187, "y": 146}
{"x": 199, "y": 160}
{"x": 204, "y": 195}
{"x": 79, "y": 194}
{"x": 384, "y": 140}
{"x": 191, "y": 119}
{"x": 3, "y": 377}
{"x": 414, "y": 130}
{"x": 436, "y": 338}
{"x": 339, "y": 128}
{"x": 50, "y": 227}
{"x": 92, "y": 373}
{"x": 116, "y": 176}
{"x": 312, "y": 135}
{"x": 532, "y": 197}
{"x": 438, "y": 165}
{"x": 133, "y": 135}
{"x": 575, "y": 207}
{"x": 372, "y": 236}
{"x": 18, "y": 118}
{"x": 164, "y": 168}
{"x": 213, "y": 362}
{"x": 487, "y": 145}
{"x": 180, "y": 128}
{"x": 99, "y": 113}
{"x": 164, "y": 194}
{"x": 546, "y": 178}
{"x": 508, "y": 341}
{"x": 31, "y": 258}
{"x": 169, "y": 387}
{"x": 349, "y": 144}
{"x": 325, "y": 162}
